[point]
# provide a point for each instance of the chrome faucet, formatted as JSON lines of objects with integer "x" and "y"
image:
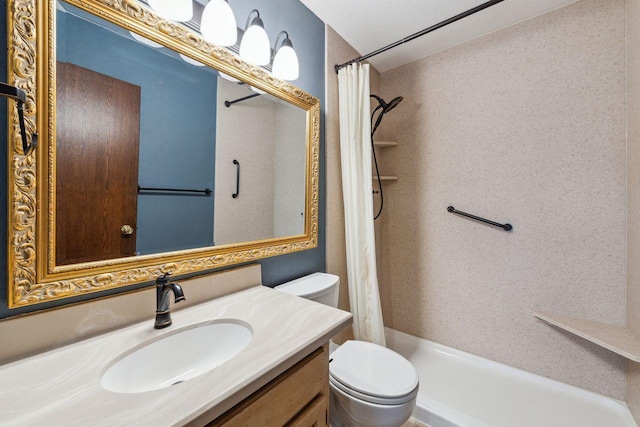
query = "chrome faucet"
{"x": 163, "y": 289}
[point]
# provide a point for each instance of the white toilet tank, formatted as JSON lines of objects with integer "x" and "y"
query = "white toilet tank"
{"x": 319, "y": 287}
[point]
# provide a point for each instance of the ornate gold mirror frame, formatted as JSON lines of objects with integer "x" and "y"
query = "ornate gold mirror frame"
{"x": 33, "y": 276}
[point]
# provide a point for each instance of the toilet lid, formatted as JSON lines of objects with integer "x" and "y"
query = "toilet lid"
{"x": 373, "y": 370}
{"x": 310, "y": 286}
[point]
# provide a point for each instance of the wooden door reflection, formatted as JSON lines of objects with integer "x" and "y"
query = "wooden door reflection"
{"x": 97, "y": 141}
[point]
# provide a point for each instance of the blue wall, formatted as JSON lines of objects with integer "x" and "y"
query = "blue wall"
{"x": 308, "y": 36}
{"x": 307, "y": 33}
{"x": 177, "y": 130}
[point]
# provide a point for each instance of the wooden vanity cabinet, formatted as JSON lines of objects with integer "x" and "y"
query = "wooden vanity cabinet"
{"x": 297, "y": 398}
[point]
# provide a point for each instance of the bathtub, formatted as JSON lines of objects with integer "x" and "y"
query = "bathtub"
{"x": 458, "y": 389}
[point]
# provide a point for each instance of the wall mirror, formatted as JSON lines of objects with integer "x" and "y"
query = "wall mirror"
{"x": 159, "y": 152}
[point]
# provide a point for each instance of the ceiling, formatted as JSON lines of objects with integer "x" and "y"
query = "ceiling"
{"x": 368, "y": 25}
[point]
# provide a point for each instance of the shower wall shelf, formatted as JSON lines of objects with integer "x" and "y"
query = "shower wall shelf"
{"x": 384, "y": 144}
{"x": 614, "y": 338}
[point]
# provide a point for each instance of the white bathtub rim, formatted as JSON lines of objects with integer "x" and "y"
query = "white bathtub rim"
{"x": 425, "y": 403}
{"x": 614, "y": 404}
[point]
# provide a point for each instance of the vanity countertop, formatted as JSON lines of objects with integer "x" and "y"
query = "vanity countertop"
{"x": 62, "y": 386}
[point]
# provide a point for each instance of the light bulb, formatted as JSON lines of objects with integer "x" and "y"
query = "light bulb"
{"x": 228, "y": 77}
{"x": 254, "y": 47}
{"x": 191, "y": 61}
{"x": 174, "y": 10}
{"x": 285, "y": 64}
{"x": 218, "y": 23}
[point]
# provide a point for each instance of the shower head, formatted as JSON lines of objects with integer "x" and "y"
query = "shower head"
{"x": 392, "y": 104}
{"x": 386, "y": 107}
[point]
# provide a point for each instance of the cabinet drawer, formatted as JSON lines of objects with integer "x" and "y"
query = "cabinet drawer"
{"x": 315, "y": 415}
{"x": 279, "y": 401}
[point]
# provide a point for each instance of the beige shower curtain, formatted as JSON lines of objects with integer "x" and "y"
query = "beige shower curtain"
{"x": 355, "y": 152}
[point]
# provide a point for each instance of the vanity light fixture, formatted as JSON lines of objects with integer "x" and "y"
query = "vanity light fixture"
{"x": 285, "y": 61}
{"x": 218, "y": 23}
{"x": 254, "y": 47}
{"x": 174, "y": 10}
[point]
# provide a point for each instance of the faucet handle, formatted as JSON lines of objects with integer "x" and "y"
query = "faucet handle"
{"x": 163, "y": 279}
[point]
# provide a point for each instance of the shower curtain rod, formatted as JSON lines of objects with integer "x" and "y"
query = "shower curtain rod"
{"x": 421, "y": 33}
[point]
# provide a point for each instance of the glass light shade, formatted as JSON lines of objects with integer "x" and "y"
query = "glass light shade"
{"x": 174, "y": 10}
{"x": 191, "y": 61}
{"x": 258, "y": 91}
{"x": 254, "y": 47}
{"x": 285, "y": 64}
{"x": 218, "y": 23}
{"x": 228, "y": 77}
{"x": 145, "y": 40}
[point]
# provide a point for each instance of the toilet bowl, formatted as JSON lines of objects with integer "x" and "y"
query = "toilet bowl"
{"x": 371, "y": 386}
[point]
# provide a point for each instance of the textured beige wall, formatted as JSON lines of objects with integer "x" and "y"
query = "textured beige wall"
{"x": 246, "y": 132}
{"x": 338, "y": 51}
{"x": 267, "y": 137}
{"x": 289, "y": 167}
{"x": 633, "y": 196}
{"x": 527, "y": 126}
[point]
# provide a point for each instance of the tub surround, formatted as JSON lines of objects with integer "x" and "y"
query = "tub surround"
{"x": 62, "y": 387}
{"x": 526, "y": 125}
{"x": 633, "y": 196}
{"x": 560, "y": 57}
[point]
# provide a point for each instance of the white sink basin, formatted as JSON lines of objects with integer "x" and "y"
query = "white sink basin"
{"x": 178, "y": 357}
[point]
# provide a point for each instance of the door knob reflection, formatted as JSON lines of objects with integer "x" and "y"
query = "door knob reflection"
{"x": 126, "y": 230}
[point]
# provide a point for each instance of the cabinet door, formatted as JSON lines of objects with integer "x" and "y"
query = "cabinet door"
{"x": 286, "y": 398}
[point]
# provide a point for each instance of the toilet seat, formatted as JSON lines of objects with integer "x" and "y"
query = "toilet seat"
{"x": 373, "y": 373}
{"x": 372, "y": 399}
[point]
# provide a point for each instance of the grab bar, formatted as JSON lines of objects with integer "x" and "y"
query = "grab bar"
{"x": 178, "y": 190}
{"x": 230, "y": 103}
{"x": 505, "y": 227}
{"x": 237, "y": 193}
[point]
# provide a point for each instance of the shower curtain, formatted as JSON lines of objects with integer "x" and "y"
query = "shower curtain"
{"x": 355, "y": 153}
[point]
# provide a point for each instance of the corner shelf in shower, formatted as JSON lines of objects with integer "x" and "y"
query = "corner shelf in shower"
{"x": 385, "y": 178}
{"x": 614, "y": 338}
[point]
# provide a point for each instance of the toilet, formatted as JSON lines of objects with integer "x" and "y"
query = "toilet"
{"x": 370, "y": 385}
